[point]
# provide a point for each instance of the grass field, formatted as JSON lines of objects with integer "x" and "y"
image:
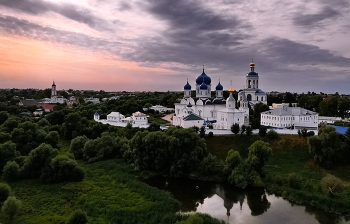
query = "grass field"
{"x": 109, "y": 194}
{"x": 290, "y": 155}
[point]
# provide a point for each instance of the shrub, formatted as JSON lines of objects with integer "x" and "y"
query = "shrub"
{"x": 210, "y": 134}
{"x": 10, "y": 171}
{"x": 310, "y": 133}
{"x": 330, "y": 184}
{"x": 235, "y": 128}
{"x": 77, "y": 217}
{"x": 262, "y": 131}
{"x": 4, "y": 191}
{"x": 272, "y": 134}
{"x": 294, "y": 180}
{"x": 249, "y": 131}
{"x": 62, "y": 169}
{"x": 11, "y": 207}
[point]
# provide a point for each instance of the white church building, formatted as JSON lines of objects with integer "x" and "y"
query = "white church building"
{"x": 282, "y": 116}
{"x": 221, "y": 113}
{"x": 137, "y": 119}
{"x": 54, "y": 97}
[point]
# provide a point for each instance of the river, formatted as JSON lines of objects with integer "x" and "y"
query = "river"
{"x": 233, "y": 205}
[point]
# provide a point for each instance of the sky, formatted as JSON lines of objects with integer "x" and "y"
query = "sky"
{"x": 156, "y": 45}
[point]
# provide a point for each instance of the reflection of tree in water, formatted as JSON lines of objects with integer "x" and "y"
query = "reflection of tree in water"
{"x": 257, "y": 201}
{"x": 322, "y": 216}
{"x": 190, "y": 193}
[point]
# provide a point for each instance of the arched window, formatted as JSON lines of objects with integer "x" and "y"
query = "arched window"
{"x": 262, "y": 98}
{"x": 249, "y": 97}
{"x": 257, "y": 98}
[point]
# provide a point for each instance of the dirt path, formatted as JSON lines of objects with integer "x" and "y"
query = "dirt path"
{"x": 168, "y": 118}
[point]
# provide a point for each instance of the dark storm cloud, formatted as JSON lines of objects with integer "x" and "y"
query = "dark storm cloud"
{"x": 290, "y": 52}
{"x": 315, "y": 20}
{"x": 67, "y": 10}
{"x": 195, "y": 35}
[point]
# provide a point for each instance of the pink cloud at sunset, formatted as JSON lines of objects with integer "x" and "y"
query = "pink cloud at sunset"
{"x": 31, "y": 63}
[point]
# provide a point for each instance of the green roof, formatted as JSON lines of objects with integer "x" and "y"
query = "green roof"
{"x": 192, "y": 117}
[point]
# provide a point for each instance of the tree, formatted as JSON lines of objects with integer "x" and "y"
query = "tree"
{"x": 10, "y": 171}
{"x": 233, "y": 158}
{"x": 235, "y": 128}
{"x": 7, "y": 152}
{"x": 262, "y": 131}
{"x": 37, "y": 160}
{"x": 326, "y": 148}
{"x": 52, "y": 138}
{"x": 77, "y": 217}
{"x": 4, "y": 191}
{"x": 259, "y": 153}
{"x": 77, "y": 146}
{"x": 249, "y": 131}
{"x": 3, "y": 117}
{"x": 62, "y": 169}
{"x": 257, "y": 109}
{"x": 244, "y": 175}
{"x": 11, "y": 207}
{"x": 202, "y": 132}
{"x": 243, "y": 129}
{"x": 4, "y": 137}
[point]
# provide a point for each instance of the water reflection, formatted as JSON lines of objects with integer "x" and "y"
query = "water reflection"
{"x": 234, "y": 205}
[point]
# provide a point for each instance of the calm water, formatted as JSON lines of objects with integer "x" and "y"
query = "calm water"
{"x": 234, "y": 205}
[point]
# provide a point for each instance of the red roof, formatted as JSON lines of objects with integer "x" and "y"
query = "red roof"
{"x": 47, "y": 106}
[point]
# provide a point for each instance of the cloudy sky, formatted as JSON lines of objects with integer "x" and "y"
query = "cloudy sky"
{"x": 155, "y": 45}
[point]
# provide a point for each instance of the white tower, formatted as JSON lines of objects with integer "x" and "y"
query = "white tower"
{"x": 53, "y": 89}
{"x": 252, "y": 78}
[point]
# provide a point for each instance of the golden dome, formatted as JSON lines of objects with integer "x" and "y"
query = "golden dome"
{"x": 252, "y": 64}
{"x": 230, "y": 90}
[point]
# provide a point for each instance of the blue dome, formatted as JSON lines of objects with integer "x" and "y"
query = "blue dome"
{"x": 219, "y": 87}
{"x": 203, "y": 78}
{"x": 187, "y": 86}
{"x": 203, "y": 86}
{"x": 252, "y": 73}
{"x": 96, "y": 114}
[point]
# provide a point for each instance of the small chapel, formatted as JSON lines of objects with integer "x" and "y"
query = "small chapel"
{"x": 203, "y": 109}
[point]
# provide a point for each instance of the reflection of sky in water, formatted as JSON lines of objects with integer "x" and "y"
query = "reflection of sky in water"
{"x": 281, "y": 212}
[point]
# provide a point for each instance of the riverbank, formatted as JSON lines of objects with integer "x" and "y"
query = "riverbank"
{"x": 290, "y": 158}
